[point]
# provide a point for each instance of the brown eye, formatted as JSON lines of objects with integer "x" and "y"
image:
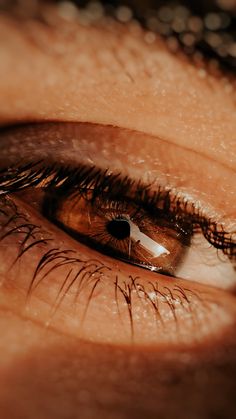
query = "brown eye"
{"x": 141, "y": 224}
{"x": 123, "y": 230}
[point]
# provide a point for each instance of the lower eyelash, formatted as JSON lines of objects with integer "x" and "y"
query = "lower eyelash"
{"x": 16, "y": 224}
{"x": 191, "y": 302}
{"x": 80, "y": 273}
{"x": 89, "y": 274}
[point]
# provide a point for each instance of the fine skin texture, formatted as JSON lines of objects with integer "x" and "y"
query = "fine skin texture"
{"x": 108, "y": 75}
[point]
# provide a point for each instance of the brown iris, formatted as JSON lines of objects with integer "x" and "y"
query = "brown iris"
{"x": 123, "y": 230}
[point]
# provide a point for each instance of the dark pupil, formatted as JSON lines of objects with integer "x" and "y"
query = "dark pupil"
{"x": 119, "y": 228}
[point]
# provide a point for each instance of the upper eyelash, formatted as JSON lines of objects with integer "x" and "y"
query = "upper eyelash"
{"x": 84, "y": 178}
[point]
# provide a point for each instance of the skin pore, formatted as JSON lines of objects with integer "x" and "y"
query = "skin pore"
{"x": 165, "y": 118}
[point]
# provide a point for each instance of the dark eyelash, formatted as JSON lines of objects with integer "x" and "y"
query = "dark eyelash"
{"x": 87, "y": 275}
{"x": 15, "y": 223}
{"x": 83, "y": 274}
{"x": 66, "y": 180}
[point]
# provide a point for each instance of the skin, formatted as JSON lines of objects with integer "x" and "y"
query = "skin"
{"x": 48, "y": 372}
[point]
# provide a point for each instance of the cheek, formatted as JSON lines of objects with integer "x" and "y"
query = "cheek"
{"x": 55, "y": 376}
{"x": 58, "y": 282}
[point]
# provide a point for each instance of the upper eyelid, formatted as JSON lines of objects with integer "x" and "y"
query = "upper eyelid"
{"x": 70, "y": 133}
{"x": 81, "y": 143}
{"x": 38, "y": 127}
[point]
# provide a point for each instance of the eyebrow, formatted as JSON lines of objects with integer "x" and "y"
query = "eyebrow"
{"x": 206, "y": 28}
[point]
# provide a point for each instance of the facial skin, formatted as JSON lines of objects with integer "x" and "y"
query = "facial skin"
{"x": 109, "y": 75}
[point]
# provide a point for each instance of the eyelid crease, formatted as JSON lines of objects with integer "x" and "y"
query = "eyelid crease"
{"x": 39, "y": 125}
{"x": 66, "y": 179}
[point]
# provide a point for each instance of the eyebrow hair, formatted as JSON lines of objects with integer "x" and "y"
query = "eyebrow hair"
{"x": 215, "y": 40}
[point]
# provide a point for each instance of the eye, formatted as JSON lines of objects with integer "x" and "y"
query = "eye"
{"x": 119, "y": 227}
{"x": 147, "y": 228}
{"x": 104, "y": 218}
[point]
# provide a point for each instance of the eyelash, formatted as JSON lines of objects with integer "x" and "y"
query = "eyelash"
{"x": 62, "y": 180}
{"x": 89, "y": 274}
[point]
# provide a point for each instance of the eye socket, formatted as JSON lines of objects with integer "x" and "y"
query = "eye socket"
{"x": 95, "y": 296}
{"x": 146, "y": 301}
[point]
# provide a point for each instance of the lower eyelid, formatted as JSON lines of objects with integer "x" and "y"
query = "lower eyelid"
{"x": 99, "y": 300}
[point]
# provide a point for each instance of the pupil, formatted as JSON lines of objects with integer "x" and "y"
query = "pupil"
{"x": 119, "y": 228}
